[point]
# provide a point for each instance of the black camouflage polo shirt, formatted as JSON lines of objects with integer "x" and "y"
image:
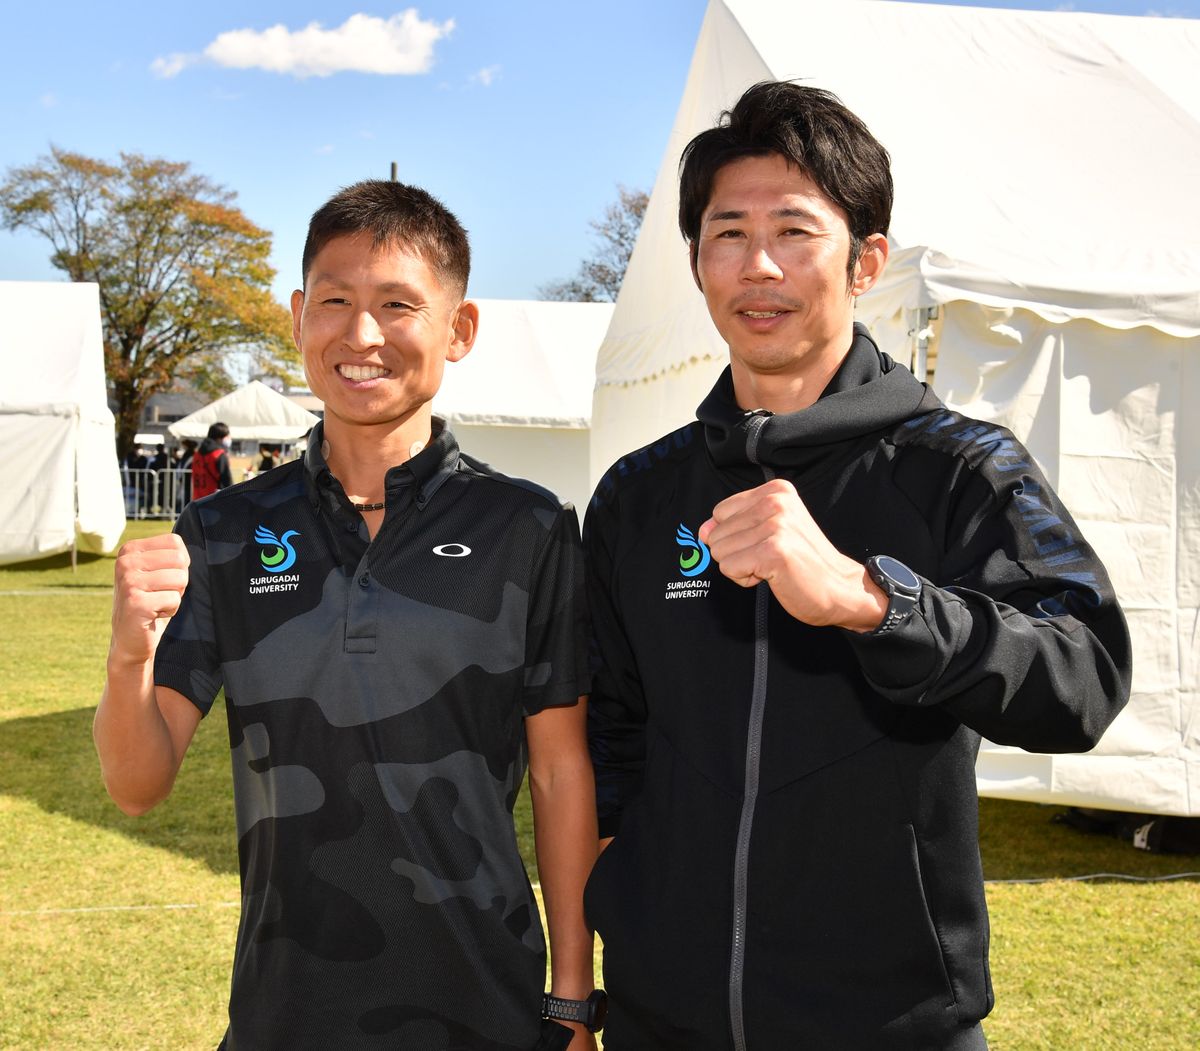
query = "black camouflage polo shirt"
{"x": 375, "y": 693}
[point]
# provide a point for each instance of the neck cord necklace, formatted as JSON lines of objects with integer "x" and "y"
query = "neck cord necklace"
{"x": 380, "y": 505}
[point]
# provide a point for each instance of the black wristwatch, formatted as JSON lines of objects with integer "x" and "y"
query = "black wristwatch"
{"x": 902, "y": 587}
{"x": 589, "y": 1012}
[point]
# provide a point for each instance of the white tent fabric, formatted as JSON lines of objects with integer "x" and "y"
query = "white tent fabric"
{"x": 522, "y": 399}
{"x": 61, "y": 481}
{"x": 532, "y": 365}
{"x": 254, "y": 412}
{"x": 1045, "y": 168}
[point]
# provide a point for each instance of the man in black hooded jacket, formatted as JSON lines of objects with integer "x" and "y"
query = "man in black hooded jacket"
{"x": 807, "y": 608}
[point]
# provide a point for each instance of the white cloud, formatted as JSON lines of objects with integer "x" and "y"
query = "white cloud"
{"x": 324, "y": 151}
{"x": 167, "y": 66}
{"x": 485, "y": 76}
{"x": 49, "y": 100}
{"x": 400, "y": 45}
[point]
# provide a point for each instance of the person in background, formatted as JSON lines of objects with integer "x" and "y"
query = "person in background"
{"x": 210, "y": 464}
{"x": 161, "y": 462}
{"x": 183, "y": 464}
{"x": 268, "y": 457}
{"x": 807, "y": 607}
{"x": 137, "y": 482}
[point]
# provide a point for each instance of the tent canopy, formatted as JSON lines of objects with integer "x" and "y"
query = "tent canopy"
{"x": 1041, "y": 159}
{"x": 533, "y": 365}
{"x": 254, "y": 413}
{"x": 1045, "y": 166}
{"x": 60, "y": 477}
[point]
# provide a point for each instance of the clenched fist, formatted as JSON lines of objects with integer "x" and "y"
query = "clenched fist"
{"x": 768, "y": 534}
{"x": 148, "y": 584}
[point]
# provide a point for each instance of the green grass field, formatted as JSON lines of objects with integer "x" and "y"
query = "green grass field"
{"x": 116, "y": 933}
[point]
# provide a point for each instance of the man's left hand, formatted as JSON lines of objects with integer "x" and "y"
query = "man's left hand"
{"x": 768, "y": 534}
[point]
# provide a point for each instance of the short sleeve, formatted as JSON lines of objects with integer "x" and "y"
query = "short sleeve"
{"x": 187, "y": 656}
{"x": 556, "y": 669}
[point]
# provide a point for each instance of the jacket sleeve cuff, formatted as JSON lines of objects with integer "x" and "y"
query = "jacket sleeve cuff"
{"x": 904, "y": 663}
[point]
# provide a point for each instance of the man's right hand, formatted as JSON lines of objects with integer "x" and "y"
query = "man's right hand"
{"x": 148, "y": 585}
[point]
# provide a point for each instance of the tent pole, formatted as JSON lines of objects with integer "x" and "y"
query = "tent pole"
{"x": 924, "y": 333}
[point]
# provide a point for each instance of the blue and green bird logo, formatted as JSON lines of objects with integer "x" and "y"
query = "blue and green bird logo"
{"x": 695, "y": 558}
{"x": 278, "y": 553}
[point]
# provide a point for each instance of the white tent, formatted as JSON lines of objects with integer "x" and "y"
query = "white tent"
{"x": 522, "y": 399}
{"x": 60, "y": 477}
{"x": 1046, "y": 247}
{"x": 254, "y": 413}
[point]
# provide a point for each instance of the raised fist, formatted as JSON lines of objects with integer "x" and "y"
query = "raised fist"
{"x": 148, "y": 585}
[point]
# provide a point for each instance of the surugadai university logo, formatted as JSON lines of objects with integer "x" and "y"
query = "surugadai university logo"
{"x": 276, "y": 557}
{"x": 694, "y": 559}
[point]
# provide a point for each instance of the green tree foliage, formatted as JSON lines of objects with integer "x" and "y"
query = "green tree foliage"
{"x": 183, "y": 274}
{"x": 599, "y": 277}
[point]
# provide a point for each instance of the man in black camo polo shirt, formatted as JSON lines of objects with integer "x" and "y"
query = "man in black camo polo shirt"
{"x": 397, "y": 631}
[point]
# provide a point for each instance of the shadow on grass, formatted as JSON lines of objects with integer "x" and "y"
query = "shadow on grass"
{"x": 50, "y": 760}
{"x": 1022, "y": 841}
{"x": 56, "y": 562}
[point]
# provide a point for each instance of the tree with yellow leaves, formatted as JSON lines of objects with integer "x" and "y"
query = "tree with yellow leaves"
{"x": 184, "y": 276}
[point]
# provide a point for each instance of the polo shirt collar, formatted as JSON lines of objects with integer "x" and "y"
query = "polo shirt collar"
{"x": 427, "y": 471}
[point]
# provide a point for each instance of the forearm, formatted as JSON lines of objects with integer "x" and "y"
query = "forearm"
{"x": 1047, "y": 684}
{"x": 138, "y": 760}
{"x": 566, "y": 842}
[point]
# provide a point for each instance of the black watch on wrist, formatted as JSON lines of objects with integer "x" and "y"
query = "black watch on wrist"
{"x": 902, "y": 587}
{"x": 589, "y": 1013}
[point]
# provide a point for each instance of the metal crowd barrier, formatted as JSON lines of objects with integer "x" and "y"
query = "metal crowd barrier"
{"x": 156, "y": 494}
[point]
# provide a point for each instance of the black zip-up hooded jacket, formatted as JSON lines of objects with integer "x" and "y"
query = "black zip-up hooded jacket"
{"x": 796, "y": 861}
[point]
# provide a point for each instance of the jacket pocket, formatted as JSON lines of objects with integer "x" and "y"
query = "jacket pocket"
{"x": 934, "y": 935}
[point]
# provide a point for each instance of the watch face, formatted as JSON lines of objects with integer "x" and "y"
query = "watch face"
{"x": 899, "y": 572}
{"x": 599, "y": 1005}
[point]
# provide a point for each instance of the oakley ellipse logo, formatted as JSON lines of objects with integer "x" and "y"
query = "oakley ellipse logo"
{"x": 452, "y": 550}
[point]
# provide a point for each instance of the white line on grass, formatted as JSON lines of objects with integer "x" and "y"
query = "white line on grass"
{"x": 34, "y": 592}
{"x": 1101, "y": 875}
{"x": 118, "y": 908}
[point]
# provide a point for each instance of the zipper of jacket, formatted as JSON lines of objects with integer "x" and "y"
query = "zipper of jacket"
{"x": 758, "y": 703}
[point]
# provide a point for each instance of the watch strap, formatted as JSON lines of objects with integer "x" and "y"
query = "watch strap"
{"x": 902, "y": 600}
{"x": 589, "y": 1013}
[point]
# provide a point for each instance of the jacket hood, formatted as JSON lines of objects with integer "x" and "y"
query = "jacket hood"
{"x": 208, "y": 445}
{"x": 868, "y": 393}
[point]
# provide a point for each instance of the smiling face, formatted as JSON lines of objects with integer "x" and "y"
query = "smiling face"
{"x": 375, "y": 327}
{"x": 771, "y": 261}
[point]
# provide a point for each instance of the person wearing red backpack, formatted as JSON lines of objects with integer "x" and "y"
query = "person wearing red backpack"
{"x": 210, "y": 464}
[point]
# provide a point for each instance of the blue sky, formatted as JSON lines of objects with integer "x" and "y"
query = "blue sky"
{"x": 523, "y": 116}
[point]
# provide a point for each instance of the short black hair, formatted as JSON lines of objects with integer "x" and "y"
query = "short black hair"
{"x": 218, "y": 432}
{"x": 395, "y": 214}
{"x": 812, "y": 129}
